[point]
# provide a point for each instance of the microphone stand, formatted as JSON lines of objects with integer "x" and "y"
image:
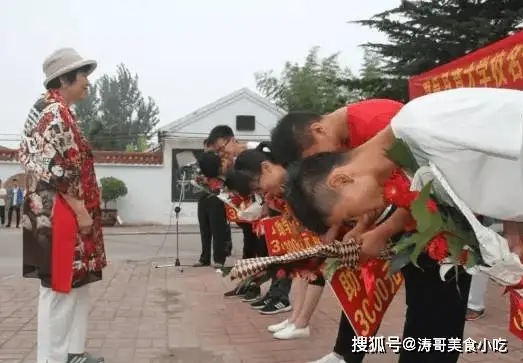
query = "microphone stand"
{"x": 176, "y": 209}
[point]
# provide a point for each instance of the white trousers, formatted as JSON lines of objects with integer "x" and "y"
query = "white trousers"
{"x": 478, "y": 289}
{"x": 62, "y": 324}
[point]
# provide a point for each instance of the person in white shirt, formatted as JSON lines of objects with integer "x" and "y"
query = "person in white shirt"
{"x": 3, "y": 197}
{"x": 474, "y": 137}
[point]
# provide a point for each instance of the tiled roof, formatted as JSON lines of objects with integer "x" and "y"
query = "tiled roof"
{"x": 104, "y": 157}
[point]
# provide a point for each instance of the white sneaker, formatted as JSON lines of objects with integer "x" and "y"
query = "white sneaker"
{"x": 277, "y": 327}
{"x": 290, "y": 332}
{"x": 329, "y": 358}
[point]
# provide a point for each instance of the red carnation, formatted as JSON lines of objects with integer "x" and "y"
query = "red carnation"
{"x": 236, "y": 200}
{"x": 396, "y": 190}
{"x": 281, "y": 274}
{"x": 438, "y": 247}
{"x": 463, "y": 257}
{"x": 214, "y": 184}
{"x": 432, "y": 206}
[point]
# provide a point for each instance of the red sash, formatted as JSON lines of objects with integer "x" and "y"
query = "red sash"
{"x": 64, "y": 234}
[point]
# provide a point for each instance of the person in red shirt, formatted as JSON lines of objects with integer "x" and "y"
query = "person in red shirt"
{"x": 301, "y": 134}
{"x": 436, "y": 308}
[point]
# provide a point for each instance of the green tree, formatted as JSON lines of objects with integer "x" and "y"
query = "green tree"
{"x": 313, "y": 85}
{"x": 373, "y": 81}
{"x": 115, "y": 115}
{"x": 87, "y": 112}
{"x": 371, "y": 68}
{"x": 424, "y": 34}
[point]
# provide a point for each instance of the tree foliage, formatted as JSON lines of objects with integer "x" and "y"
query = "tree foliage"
{"x": 115, "y": 115}
{"x": 112, "y": 189}
{"x": 424, "y": 34}
{"x": 313, "y": 85}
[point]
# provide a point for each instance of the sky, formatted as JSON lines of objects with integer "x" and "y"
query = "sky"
{"x": 186, "y": 53}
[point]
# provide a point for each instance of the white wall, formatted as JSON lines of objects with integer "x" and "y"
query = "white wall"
{"x": 8, "y": 169}
{"x": 149, "y": 190}
{"x": 143, "y": 185}
{"x": 266, "y": 119}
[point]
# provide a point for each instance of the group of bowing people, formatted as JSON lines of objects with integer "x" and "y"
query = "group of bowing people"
{"x": 331, "y": 169}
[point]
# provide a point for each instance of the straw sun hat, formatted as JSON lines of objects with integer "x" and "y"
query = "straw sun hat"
{"x": 63, "y": 61}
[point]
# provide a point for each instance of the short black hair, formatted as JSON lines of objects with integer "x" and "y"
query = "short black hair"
{"x": 306, "y": 190}
{"x": 70, "y": 77}
{"x": 292, "y": 136}
{"x": 238, "y": 182}
{"x": 220, "y": 132}
{"x": 248, "y": 168}
{"x": 206, "y": 142}
{"x": 250, "y": 160}
{"x": 210, "y": 164}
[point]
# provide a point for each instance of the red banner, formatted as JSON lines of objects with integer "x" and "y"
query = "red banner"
{"x": 283, "y": 236}
{"x": 364, "y": 298}
{"x": 232, "y": 215}
{"x": 499, "y": 65}
{"x": 516, "y": 314}
{"x": 365, "y": 303}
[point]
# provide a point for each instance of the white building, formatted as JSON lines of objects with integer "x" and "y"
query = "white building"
{"x": 152, "y": 177}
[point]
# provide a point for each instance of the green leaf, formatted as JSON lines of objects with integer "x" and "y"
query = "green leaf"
{"x": 425, "y": 219}
{"x": 452, "y": 227}
{"x": 400, "y": 259}
{"x": 226, "y": 271}
{"x": 422, "y": 239}
{"x": 331, "y": 266}
{"x": 399, "y": 152}
{"x": 404, "y": 243}
{"x": 471, "y": 259}
{"x": 455, "y": 245}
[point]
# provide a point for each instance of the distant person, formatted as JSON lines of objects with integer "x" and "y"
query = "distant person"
{"x": 215, "y": 232}
{"x": 3, "y": 197}
{"x": 15, "y": 197}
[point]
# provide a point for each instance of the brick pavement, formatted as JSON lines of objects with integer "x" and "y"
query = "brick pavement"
{"x": 142, "y": 314}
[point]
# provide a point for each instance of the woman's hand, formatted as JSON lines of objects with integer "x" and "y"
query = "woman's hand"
{"x": 84, "y": 220}
{"x": 85, "y": 223}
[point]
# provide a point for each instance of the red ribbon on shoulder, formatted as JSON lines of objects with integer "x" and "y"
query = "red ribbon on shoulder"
{"x": 64, "y": 234}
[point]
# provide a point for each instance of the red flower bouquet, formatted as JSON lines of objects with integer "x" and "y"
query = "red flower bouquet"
{"x": 436, "y": 228}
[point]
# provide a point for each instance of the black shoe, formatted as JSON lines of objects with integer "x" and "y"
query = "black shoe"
{"x": 261, "y": 302}
{"x": 237, "y": 291}
{"x": 276, "y": 306}
{"x": 252, "y": 294}
{"x": 84, "y": 358}
{"x": 201, "y": 264}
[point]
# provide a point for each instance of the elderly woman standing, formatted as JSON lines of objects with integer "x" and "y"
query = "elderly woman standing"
{"x": 62, "y": 235}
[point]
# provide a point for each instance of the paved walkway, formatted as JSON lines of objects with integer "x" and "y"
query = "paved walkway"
{"x": 143, "y": 314}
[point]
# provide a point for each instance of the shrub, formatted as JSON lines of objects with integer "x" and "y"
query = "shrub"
{"x": 112, "y": 189}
